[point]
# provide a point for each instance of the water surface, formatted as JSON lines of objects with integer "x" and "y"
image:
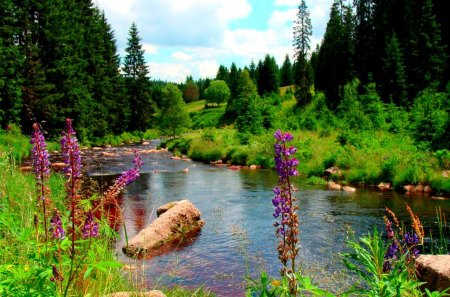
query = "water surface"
{"x": 238, "y": 237}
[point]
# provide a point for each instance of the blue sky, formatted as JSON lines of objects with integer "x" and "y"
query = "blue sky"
{"x": 194, "y": 37}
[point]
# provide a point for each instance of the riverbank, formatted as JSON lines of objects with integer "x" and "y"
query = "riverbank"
{"x": 367, "y": 158}
{"x": 28, "y": 254}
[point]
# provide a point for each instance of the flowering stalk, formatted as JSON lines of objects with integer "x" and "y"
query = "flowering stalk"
{"x": 90, "y": 228}
{"x": 72, "y": 158}
{"x": 285, "y": 208}
{"x": 120, "y": 183}
{"x": 402, "y": 244}
{"x": 41, "y": 168}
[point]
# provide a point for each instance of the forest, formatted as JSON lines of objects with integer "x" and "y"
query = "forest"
{"x": 371, "y": 102}
{"x": 60, "y": 59}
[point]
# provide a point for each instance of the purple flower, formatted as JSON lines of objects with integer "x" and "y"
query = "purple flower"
{"x": 411, "y": 240}
{"x": 284, "y": 202}
{"x": 389, "y": 230}
{"x": 126, "y": 177}
{"x": 391, "y": 251}
{"x": 71, "y": 152}
{"x": 39, "y": 155}
{"x": 56, "y": 227}
{"x": 90, "y": 228}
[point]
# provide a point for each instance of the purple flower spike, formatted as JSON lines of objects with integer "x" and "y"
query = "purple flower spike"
{"x": 39, "y": 155}
{"x": 56, "y": 227}
{"x": 284, "y": 202}
{"x": 90, "y": 228}
{"x": 126, "y": 177}
{"x": 71, "y": 152}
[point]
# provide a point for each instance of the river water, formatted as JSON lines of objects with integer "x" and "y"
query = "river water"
{"x": 238, "y": 236}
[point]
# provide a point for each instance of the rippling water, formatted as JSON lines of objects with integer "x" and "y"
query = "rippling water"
{"x": 238, "y": 237}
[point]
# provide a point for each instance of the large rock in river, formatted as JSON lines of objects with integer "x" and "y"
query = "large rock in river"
{"x": 176, "y": 221}
{"x": 435, "y": 270}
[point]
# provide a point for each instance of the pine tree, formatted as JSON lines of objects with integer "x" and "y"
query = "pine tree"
{"x": 268, "y": 76}
{"x": 364, "y": 39}
{"x": 428, "y": 57}
{"x": 223, "y": 74}
{"x": 10, "y": 66}
{"x": 286, "y": 73}
{"x": 334, "y": 66}
{"x": 137, "y": 83}
{"x": 302, "y": 34}
{"x": 394, "y": 78}
{"x": 233, "y": 79}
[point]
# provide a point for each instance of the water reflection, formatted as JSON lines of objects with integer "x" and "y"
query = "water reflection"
{"x": 238, "y": 237}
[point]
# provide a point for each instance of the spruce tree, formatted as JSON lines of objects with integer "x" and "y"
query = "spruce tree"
{"x": 302, "y": 34}
{"x": 11, "y": 62}
{"x": 394, "y": 78}
{"x": 137, "y": 83}
{"x": 233, "y": 79}
{"x": 286, "y": 74}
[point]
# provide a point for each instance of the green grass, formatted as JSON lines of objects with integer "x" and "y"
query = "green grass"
{"x": 26, "y": 258}
{"x": 195, "y": 106}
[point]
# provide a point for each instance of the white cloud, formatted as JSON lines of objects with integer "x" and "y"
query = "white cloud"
{"x": 181, "y": 56}
{"x": 150, "y": 48}
{"x": 175, "y": 72}
{"x": 193, "y": 37}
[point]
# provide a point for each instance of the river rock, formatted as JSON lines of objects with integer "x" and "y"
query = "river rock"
{"x": 145, "y": 143}
{"x": 349, "y": 189}
{"x": 408, "y": 188}
{"x": 173, "y": 224}
{"x": 58, "y": 165}
{"x": 385, "y": 187}
{"x": 26, "y": 168}
{"x": 153, "y": 293}
{"x": 435, "y": 270}
{"x": 333, "y": 186}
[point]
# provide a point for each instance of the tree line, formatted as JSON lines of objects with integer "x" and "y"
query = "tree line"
{"x": 59, "y": 59}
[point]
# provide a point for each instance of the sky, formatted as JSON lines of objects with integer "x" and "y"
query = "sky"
{"x": 195, "y": 37}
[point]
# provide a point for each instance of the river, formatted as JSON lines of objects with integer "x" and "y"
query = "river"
{"x": 238, "y": 237}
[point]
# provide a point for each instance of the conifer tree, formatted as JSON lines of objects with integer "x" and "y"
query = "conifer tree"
{"x": 286, "y": 74}
{"x": 233, "y": 79}
{"x": 394, "y": 78}
{"x": 137, "y": 82}
{"x": 302, "y": 34}
{"x": 10, "y": 66}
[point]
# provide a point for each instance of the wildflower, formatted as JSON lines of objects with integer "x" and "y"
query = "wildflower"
{"x": 56, "y": 227}
{"x": 90, "y": 228}
{"x": 39, "y": 155}
{"x": 284, "y": 203}
{"x": 411, "y": 239}
{"x": 389, "y": 230}
{"x": 391, "y": 251}
{"x": 71, "y": 152}
{"x": 57, "y": 277}
{"x": 126, "y": 177}
{"x": 41, "y": 167}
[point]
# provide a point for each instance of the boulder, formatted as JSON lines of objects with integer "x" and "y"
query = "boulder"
{"x": 175, "y": 222}
{"x": 408, "y": 188}
{"x": 26, "y": 168}
{"x": 185, "y": 170}
{"x": 435, "y": 270}
{"x": 385, "y": 187}
{"x": 333, "y": 186}
{"x": 58, "y": 166}
{"x": 349, "y": 189}
{"x": 145, "y": 143}
{"x": 153, "y": 293}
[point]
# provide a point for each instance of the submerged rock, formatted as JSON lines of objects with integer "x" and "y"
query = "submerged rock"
{"x": 435, "y": 270}
{"x": 176, "y": 222}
